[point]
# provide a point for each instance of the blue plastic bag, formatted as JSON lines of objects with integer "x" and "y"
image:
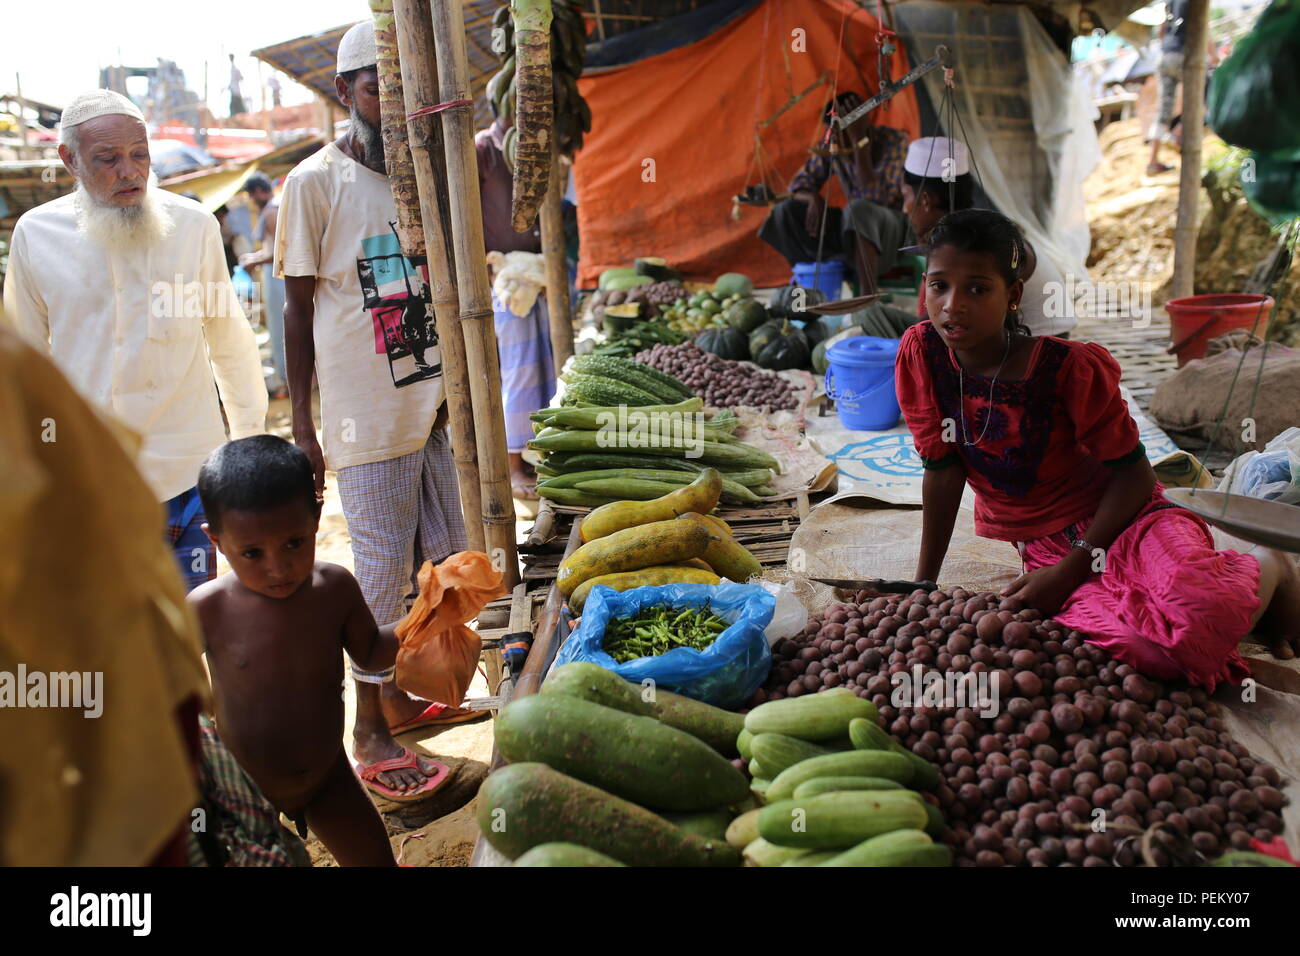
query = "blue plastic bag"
{"x": 725, "y": 674}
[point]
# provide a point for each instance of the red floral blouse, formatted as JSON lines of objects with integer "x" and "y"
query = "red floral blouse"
{"x": 1047, "y": 438}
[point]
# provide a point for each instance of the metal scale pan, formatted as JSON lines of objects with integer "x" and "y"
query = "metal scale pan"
{"x": 1254, "y": 519}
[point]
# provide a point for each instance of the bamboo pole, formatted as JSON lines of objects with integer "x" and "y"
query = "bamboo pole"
{"x": 392, "y": 122}
{"x": 420, "y": 87}
{"x": 557, "y": 272}
{"x": 1189, "y": 173}
{"x": 473, "y": 287}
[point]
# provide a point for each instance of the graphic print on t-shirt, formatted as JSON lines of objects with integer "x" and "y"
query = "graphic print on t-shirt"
{"x": 395, "y": 289}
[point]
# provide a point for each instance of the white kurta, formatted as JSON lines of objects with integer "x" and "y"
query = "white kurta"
{"x": 143, "y": 333}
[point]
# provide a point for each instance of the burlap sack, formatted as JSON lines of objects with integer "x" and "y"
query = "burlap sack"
{"x": 1191, "y": 402}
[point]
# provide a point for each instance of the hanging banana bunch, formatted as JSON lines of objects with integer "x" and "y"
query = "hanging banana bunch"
{"x": 572, "y": 115}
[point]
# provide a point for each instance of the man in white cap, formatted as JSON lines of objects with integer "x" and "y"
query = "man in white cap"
{"x": 358, "y": 314}
{"x": 125, "y": 286}
{"x": 936, "y": 181}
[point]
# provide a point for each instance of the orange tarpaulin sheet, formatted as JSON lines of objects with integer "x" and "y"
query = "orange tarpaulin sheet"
{"x": 672, "y": 137}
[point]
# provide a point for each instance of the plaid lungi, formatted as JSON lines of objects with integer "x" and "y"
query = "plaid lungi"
{"x": 194, "y": 553}
{"x": 401, "y": 513}
{"x": 242, "y": 823}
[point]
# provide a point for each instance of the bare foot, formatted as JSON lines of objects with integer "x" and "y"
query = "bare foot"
{"x": 371, "y": 747}
{"x": 1279, "y": 625}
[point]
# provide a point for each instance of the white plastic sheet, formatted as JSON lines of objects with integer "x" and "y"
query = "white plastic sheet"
{"x": 1025, "y": 118}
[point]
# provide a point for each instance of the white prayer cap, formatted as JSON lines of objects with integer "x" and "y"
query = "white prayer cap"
{"x": 357, "y": 48}
{"x": 87, "y": 106}
{"x": 928, "y": 157}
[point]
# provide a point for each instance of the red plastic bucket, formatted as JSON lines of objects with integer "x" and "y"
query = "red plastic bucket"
{"x": 1196, "y": 319}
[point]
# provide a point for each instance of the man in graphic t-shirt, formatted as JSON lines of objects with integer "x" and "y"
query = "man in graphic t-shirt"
{"x": 358, "y": 314}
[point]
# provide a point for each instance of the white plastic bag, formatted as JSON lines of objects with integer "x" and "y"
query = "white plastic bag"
{"x": 1273, "y": 474}
{"x": 790, "y": 616}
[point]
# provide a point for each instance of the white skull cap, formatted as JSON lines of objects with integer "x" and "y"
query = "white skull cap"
{"x": 357, "y": 48}
{"x": 928, "y": 157}
{"x": 88, "y": 106}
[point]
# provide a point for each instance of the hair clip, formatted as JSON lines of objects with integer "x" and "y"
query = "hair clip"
{"x": 1015, "y": 255}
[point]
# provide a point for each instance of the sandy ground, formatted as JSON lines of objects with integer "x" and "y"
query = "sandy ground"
{"x": 441, "y": 832}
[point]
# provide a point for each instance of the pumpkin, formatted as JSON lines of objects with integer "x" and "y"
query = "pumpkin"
{"x": 792, "y": 300}
{"x": 746, "y": 315}
{"x": 815, "y": 330}
{"x": 778, "y": 345}
{"x": 724, "y": 342}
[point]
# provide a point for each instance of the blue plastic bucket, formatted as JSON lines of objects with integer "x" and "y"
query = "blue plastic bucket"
{"x": 860, "y": 380}
{"x": 829, "y": 277}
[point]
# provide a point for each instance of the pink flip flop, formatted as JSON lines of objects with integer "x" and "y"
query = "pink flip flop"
{"x": 409, "y": 760}
{"x": 436, "y": 714}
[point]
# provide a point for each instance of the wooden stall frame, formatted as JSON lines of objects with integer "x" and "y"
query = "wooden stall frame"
{"x": 474, "y": 290}
{"x": 420, "y": 88}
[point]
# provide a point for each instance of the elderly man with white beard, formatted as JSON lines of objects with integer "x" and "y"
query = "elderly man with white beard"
{"x": 125, "y": 286}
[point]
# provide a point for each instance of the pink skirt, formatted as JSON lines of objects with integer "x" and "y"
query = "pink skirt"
{"x": 1167, "y": 603}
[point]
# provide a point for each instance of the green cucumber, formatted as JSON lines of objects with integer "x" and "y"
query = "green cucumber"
{"x": 716, "y": 727}
{"x": 851, "y": 763}
{"x": 832, "y": 820}
{"x": 777, "y": 752}
{"x": 867, "y": 735}
{"x": 763, "y": 853}
{"x": 745, "y": 743}
{"x": 815, "y": 858}
{"x": 596, "y": 685}
{"x": 897, "y": 848}
{"x": 637, "y": 758}
{"x": 711, "y": 824}
{"x": 756, "y": 769}
{"x": 564, "y": 854}
{"x": 818, "y": 717}
{"x": 759, "y": 786}
{"x": 743, "y": 830}
{"x": 810, "y": 788}
{"x": 528, "y": 804}
{"x": 936, "y": 824}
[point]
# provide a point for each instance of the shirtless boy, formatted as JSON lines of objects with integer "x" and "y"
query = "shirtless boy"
{"x": 274, "y": 630}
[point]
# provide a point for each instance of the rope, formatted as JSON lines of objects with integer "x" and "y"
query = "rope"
{"x": 438, "y": 108}
{"x": 1232, "y": 386}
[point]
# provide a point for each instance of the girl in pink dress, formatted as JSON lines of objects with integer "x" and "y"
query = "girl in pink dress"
{"x": 1038, "y": 428}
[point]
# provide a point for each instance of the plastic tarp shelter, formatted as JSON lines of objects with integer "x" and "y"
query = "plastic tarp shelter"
{"x": 673, "y": 136}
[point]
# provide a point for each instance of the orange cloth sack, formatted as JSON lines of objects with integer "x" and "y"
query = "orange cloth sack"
{"x": 438, "y": 653}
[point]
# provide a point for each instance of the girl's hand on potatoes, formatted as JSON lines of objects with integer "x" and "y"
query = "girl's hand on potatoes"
{"x": 1048, "y": 588}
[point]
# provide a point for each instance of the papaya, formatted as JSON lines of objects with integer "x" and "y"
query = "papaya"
{"x": 643, "y": 577}
{"x": 727, "y": 556}
{"x": 644, "y": 546}
{"x": 701, "y": 496}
